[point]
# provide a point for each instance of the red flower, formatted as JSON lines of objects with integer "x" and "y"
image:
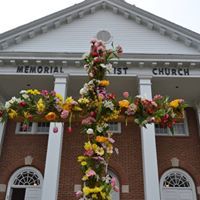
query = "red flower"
{"x": 69, "y": 129}
{"x": 22, "y": 104}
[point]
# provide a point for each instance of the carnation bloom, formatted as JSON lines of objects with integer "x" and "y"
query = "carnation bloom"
{"x": 104, "y": 83}
{"x": 64, "y": 114}
{"x": 125, "y": 95}
{"x": 101, "y": 139}
{"x": 124, "y": 103}
{"x": 51, "y": 116}
{"x": 174, "y": 103}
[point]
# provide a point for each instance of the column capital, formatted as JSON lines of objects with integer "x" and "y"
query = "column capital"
{"x": 61, "y": 78}
{"x": 144, "y": 80}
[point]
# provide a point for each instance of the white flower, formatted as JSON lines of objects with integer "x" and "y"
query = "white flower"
{"x": 25, "y": 96}
{"x": 83, "y": 91}
{"x": 7, "y": 105}
{"x": 99, "y": 129}
{"x": 108, "y": 67}
{"x": 23, "y": 92}
{"x": 90, "y": 131}
{"x": 109, "y": 104}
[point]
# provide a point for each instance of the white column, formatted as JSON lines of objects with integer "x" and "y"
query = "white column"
{"x": 149, "y": 154}
{"x": 54, "y": 150}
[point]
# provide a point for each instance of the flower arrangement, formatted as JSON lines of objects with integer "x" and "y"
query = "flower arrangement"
{"x": 96, "y": 108}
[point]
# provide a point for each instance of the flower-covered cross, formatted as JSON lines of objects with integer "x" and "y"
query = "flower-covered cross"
{"x": 96, "y": 108}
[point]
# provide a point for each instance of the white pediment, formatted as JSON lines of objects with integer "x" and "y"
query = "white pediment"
{"x": 75, "y": 37}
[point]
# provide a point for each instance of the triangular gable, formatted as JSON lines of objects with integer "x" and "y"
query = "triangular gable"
{"x": 136, "y": 30}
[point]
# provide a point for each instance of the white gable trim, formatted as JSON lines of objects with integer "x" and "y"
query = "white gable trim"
{"x": 53, "y": 21}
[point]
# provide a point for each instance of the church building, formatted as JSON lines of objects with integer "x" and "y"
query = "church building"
{"x": 159, "y": 57}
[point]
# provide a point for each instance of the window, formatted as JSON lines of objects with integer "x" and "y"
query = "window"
{"x": 177, "y": 184}
{"x": 25, "y": 183}
{"x": 33, "y": 128}
{"x": 115, "y": 127}
{"x": 180, "y": 129}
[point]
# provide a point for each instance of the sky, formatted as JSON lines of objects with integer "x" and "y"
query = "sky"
{"x": 15, "y": 13}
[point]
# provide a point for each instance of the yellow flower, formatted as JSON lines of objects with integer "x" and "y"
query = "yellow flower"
{"x": 124, "y": 103}
{"x": 12, "y": 114}
{"x": 81, "y": 158}
{"x": 88, "y": 146}
{"x": 94, "y": 196}
{"x": 83, "y": 101}
{"x": 104, "y": 83}
{"x": 51, "y": 116}
{"x": 94, "y": 147}
{"x": 103, "y": 195}
{"x": 59, "y": 96}
{"x": 86, "y": 190}
{"x": 83, "y": 163}
{"x": 40, "y": 106}
{"x": 33, "y": 92}
{"x": 101, "y": 139}
{"x": 174, "y": 103}
{"x": 27, "y": 115}
{"x": 68, "y": 103}
{"x": 85, "y": 178}
{"x": 99, "y": 151}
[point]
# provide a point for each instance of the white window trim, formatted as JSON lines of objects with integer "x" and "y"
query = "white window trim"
{"x": 119, "y": 128}
{"x": 179, "y": 135}
{"x": 12, "y": 178}
{"x": 174, "y": 170}
{"x": 32, "y": 132}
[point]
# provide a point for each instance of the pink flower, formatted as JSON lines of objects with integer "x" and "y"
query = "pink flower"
{"x": 116, "y": 189}
{"x": 79, "y": 194}
{"x": 90, "y": 173}
{"x": 119, "y": 49}
{"x": 64, "y": 114}
{"x": 126, "y": 95}
{"x": 44, "y": 92}
{"x": 55, "y": 129}
{"x": 89, "y": 153}
{"x": 24, "y": 127}
{"x": 113, "y": 182}
{"x": 111, "y": 140}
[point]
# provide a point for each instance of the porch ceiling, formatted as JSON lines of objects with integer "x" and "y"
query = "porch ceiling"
{"x": 186, "y": 88}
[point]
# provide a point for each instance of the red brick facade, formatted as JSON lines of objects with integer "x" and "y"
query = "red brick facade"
{"x": 127, "y": 165}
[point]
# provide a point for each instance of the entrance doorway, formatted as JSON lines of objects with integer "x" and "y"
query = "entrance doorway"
{"x": 176, "y": 184}
{"x": 25, "y": 184}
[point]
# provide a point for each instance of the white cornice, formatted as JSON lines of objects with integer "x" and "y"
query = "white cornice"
{"x": 66, "y": 16}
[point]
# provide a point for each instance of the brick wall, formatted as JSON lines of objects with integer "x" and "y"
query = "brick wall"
{"x": 16, "y": 148}
{"x": 127, "y": 165}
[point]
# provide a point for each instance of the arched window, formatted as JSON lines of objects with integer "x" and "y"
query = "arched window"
{"x": 115, "y": 195}
{"x": 25, "y": 184}
{"x": 177, "y": 184}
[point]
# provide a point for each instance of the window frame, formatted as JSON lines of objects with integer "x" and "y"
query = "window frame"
{"x": 34, "y": 129}
{"x": 119, "y": 128}
{"x": 168, "y": 133}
